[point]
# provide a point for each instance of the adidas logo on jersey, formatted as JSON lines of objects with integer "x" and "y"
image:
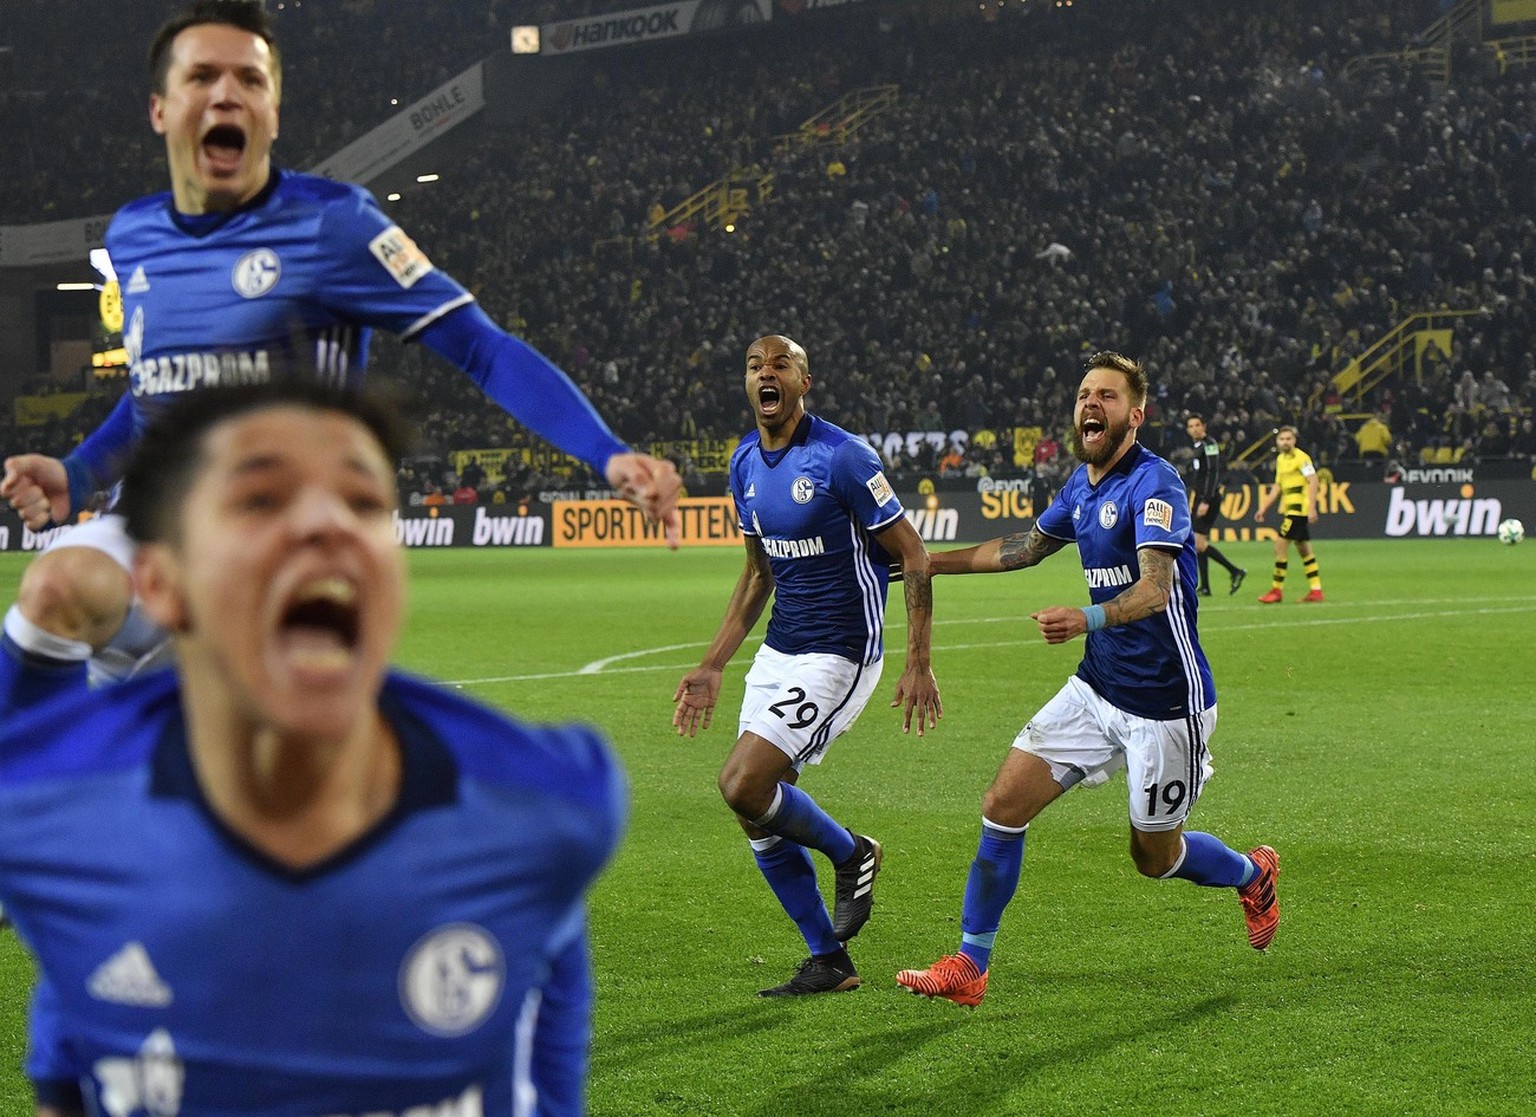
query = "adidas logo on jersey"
{"x": 129, "y": 978}
{"x": 751, "y": 491}
{"x": 138, "y": 282}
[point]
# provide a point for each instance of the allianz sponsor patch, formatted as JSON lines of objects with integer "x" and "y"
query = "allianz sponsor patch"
{"x": 400, "y": 256}
{"x": 1158, "y": 513}
{"x": 880, "y": 488}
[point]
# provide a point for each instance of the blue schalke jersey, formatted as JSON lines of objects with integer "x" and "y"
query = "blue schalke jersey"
{"x": 292, "y": 282}
{"x": 813, "y": 506}
{"x": 1155, "y": 667}
{"x": 436, "y": 966}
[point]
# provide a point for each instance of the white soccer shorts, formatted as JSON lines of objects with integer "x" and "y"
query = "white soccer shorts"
{"x": 140, "y": 643}
{"x": 801, "y": 703}
{"x": 1085, "y": 739}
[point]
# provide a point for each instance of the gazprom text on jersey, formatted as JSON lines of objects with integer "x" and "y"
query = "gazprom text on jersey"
{"x": 182, "y": 372}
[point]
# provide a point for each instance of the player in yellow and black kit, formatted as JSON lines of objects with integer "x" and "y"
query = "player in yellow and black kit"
{"x": 1296, "y": 489}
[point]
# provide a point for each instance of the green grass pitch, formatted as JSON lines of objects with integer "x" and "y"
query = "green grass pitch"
{"x": 1383, "y": 742}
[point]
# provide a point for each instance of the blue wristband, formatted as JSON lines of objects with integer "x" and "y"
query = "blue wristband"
{"x": 1095, "y": 617}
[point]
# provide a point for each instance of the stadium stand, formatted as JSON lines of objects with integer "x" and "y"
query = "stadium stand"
{"x": 1197, "y": 183}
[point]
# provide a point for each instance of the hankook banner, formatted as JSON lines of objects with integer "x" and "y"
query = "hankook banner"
{"x": 639, "y": 25}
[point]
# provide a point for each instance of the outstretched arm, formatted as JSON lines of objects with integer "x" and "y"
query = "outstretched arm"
{"x": 699, "y": 690}
{"x": 41, "y": 488}
{"x": 1009, "y": 552}
{"x": 542, "y": 398}
{"x": 1147, "y": 595}
{"x": 917, "y": 692}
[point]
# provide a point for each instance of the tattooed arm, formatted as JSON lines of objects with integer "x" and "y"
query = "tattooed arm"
{"x": 1147, "y": 595}
{"x": 1010, "y": 552}
{"x": 917, "y": 691}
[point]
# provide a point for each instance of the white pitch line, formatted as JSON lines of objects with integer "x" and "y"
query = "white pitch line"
{"x": 597, "y": 666}
{"x": 600, "y": 666}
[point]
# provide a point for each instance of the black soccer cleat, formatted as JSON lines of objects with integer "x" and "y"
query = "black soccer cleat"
{"x": 855, "y": 894}
{"x": 1237, "y": 580}
{"x": 820, "y": 973}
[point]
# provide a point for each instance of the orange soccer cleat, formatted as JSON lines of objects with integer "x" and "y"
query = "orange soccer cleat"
{"x": 1261, "y": 906}
{"x": 953, "y": 977}
{"x": 1273, "y": 597}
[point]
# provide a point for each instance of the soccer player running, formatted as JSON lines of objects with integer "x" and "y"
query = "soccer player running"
{"x": 1296, "y": 490}
{"x": 1205, "y": 486}
{"x": 1142, "y": 698}
{"x": 821, "y": 527}
{"x": 244, "y": 273}
{"x": 284, "y": 879}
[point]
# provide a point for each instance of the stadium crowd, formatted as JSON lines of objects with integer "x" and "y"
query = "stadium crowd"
{"x": 76, "y": 140}
{"x": 1197, "y": 183}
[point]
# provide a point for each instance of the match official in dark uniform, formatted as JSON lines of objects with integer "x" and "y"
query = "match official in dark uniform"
{"x": 1205, "y": 490}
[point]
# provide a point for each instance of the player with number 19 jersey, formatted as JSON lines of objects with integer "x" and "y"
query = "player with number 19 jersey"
{"x": 814, "y": 506}
{"x": 1154, "y": 668}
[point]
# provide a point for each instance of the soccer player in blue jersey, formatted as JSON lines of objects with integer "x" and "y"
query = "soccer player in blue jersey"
{"x": 1142, "y": 698}
{"x": 283, "y": 879}
{"x": 244, "y": 273}
{"x": 821, "y": 527}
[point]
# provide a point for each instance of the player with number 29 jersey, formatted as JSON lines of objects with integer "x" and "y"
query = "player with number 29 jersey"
{"x": 813, "y": 506}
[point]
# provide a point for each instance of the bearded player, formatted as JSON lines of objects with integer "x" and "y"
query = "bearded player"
{"x": 1142, "y": 698}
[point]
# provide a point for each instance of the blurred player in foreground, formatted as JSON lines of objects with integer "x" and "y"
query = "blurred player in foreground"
{"x": 1296, "y": 490}
{"x": 245, "y": 273}
{"x": 821, "y": 526}
{"x": 1142, "y": 698}
{"x": 283, "y": 879}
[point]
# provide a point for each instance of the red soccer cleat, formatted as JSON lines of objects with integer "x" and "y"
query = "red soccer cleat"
{"x": 1312, "y": 596}
{"x": 953, "y": 977}
{"x": 1273, "y": 597}
{"x": 1261, "y": 907}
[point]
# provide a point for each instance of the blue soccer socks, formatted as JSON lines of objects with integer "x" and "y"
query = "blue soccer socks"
{"x": 798, "y": 817}
{"x": 788, "y": 869}
{"x": 993, "y": 878}
{"x": 1207, "y": 861}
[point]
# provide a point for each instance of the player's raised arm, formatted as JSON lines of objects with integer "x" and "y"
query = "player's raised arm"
{"x": 651, "y": 484}
{"x": 545, "y": 400}
{"x": 37, "y": 489}
{"x": 917, "y": 691}
{"x": 699, "y": 690}
{"x": 41, "y": 488}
